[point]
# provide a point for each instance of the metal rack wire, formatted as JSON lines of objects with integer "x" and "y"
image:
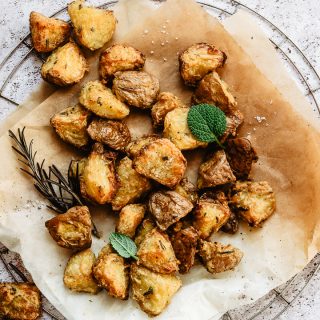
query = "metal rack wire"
{"x": 296, "y": 62}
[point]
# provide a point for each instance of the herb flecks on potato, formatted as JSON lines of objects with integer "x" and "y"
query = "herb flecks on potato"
{"x": 188, "y": 190}
{"x": 135, "y": 146}
{"x": 144, "y": 228}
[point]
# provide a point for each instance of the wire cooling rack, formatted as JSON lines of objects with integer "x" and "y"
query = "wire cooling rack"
{"x": 20, "y": 74}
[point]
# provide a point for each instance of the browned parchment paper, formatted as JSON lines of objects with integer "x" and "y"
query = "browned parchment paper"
{"x": 289, "y": 160}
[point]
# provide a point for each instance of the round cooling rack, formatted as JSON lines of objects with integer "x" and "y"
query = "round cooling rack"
{"x": 20, "y": 75}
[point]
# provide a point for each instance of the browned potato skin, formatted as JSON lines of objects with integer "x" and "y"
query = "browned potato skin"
{"x": 136, "y": 88}
{"x": 114, "y": 134}
{"x": 234, "y": 121}
{"x": 19, "y": 301}
{"x": 188, "y": 190}
{"x": 135, "y": 146}
{"x": 119, "y": 57}
{"x": 145, "y": 227}
{"x": 184, "y": 244}
{"x": 232, "y": 225}
{"x": 198, "y": 60}
{"x": 218, "y": 257}
{"x": 48, "y": 33}
{"x": 168, "y": 207}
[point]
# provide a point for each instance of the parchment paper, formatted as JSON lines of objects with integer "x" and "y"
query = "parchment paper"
{"x": 289, "y": 159}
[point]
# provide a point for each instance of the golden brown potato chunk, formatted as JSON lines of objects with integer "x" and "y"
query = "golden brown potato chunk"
{"x": 145, "y": 227}
{"x": 78, "y": 274}
{"x": 215, "y": 91}
{"x": 232, "y": 225}
{"x": 112, "y": 273}
{"x": 188, "y": 190}
{"x": 119, "y": 57}
{"x": 218, "y": 257}
{"x": 72, "y": 230}
{"x": 114, "y": 134}
{"x": 156, "y": 253}
{"x": 131, "y": 184}
{"x": 48, "y": 33}
{"x": 168, "y": 207}
{"x": 98, "y": 182}
{"x": 19, "y": 301}
{"x": 136, "y": 88}
{"x": 130, "y": 217}
{"x": 211, "y": 213}
{"x": 166, "y": 102}
{"x": 93, "y": 27}
{"x": 65, "y": 66}
{"x": 135, "y": 146}
{"x": 177, "y": 130}
{"x": 153, "y": 291}
{"x": 234, "y": 120}
{"x": 215, "y": 171}
{"x": 254, "y": 201}
{"x": 71, "y": 125}
{"x": 184, "y": 244}
{"x": 101, "y": 101}
{"x": 162, "y": 161}
{"x": 198, "y": 60}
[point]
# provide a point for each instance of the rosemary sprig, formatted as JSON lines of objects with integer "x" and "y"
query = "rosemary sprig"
{"x": 62, "y": 193}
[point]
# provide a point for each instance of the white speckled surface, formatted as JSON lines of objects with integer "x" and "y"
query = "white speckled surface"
{"x": 297, "y": 18}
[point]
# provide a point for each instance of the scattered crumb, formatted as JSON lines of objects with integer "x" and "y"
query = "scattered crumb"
{"x": 165, "y": 59}
{"x": 146, "y": 31}
{"x": 162, "y": 43}
{"x": 151, "y": 52}
{"x": 260, "y": 118}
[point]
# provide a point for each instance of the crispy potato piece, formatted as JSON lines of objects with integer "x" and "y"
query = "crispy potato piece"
{"x": 188, "y": 190}
{"x": 255, "y": 201}
{"x": 65, "y": 66}
{"x": 177, "y": 130}
{"x": 216, "y": 171}
{"x": 98, "y": 181}
{"x": 136, "y": 88}
{"x": 211, "y": 213}
{"x": 166, "y": 102}
{"x": 48, "y": 33}
{"x": 198, "y": 60}
{"x": 232, "y": 225}
{"x": 153, "y": 291}
{"x": 71, "y": 125}
{"x": 162, "y": 161}
{"x": 72, "y": 230}
{"x": 218, "y": 257}
{"x": 100, "y": 100}
{"x": 93, "y": 27}
{"x": 234, "y": 121}
{"x": 168, "y": 207}
{"x": 112, "y": 273}
{"x": 132, "y": 185}
{"x": 215, "y": 91}
{"x": 115, "y": 134}
{"x": 119, "y": 57}
{"x": 145, "y": 227}
{"x": 78, "y": 274}
{"x": 156, "y": 253}
{"x": 130, "y": 217}
{"x": 184, "y": 244}
{"x": 76, "y": 168}
{"x": 19, "y": 301}
{"x": 135, "y": 146}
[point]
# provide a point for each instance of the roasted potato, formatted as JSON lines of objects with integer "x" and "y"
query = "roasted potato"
{"x": 198, "y": 60}
{"x": 72, "y": 230}
{"x": 135, "y": 146}
{"x": 156, "y": 253}
{"x": 114, "y": 134}
{"x": 71, "y": 125}
{"x": 215, "y": 171}
{"x": 211, "y": 213}
{"x": 130, "y": 217}
{"x": 153, "y": 291}
{"x": 240, "y": 155}
{"x": 65, "y": 66}
{"x": 145, "y": 227}
{"x": 119, "y": 57}
{"x": 254, "y": 201}
{"x": 177, "y": 130}
{"x": 184, "y": 244}
{"x": 166, "y": 102}
{"x": 131, "y": 184}
{"x": 232, "y": 225}
{"x": 78, "y": 274}
{"x": 136, "y": 88}
{"x": 234, "y": 120}
{"x": 168, "y": 207}
{"x": 112, "y": 273}
{"x": 19, "y": 301}
{"x": 100, "y": 100}
{"x": 93, "y": 27}
{"x": 217, "y": 257}
{"x": 188, "y": 190}
{"x": 162, "y": 161}
{"x": 98, "y": 181}
{"x": 76, "y": 168}
{"x": 48, "y": 33}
